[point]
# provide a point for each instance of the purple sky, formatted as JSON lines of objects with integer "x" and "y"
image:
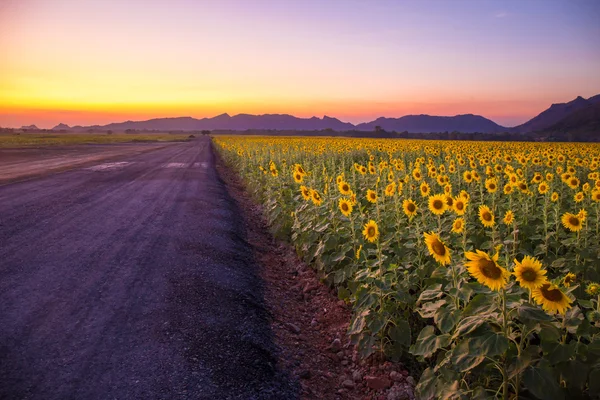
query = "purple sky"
{"x": 91, "y": 62}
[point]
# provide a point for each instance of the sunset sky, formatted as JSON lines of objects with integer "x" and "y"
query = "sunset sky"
{"x": 95, "y": 62}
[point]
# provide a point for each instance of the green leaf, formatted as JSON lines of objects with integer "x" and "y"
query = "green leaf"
{"x": 558, "y": 352}
{"x": 428, "y": 342}
{"x": 528, "y": 313}
{"x": 446, "y": 318}
{"x": 426, "y": 388}
{"x": 343, "y": 293}
{"x": 400, "y": 333}
{"x": 490, "y": 343}
{"x": 549, "y": 332}
{"x": 358, "y": 323}
{"x": 466, "y": 356}
{"x": 376, "y": 322}
{"x": 574, "y": 373}
{"x": 432, "y": 292}
{"x": 594, "y": 380}
{"x": 469, "y": 324}
{"x": 428, "y": 310}
{"x": 540, "y": 381}
{"x": 481, "y": 303}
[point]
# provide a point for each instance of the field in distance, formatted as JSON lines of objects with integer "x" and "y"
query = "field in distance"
{"x": 63, "y": 139}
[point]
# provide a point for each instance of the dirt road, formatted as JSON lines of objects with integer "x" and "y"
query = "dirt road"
{"x": 131, "y": 279}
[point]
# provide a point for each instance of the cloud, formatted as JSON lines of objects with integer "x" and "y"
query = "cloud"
{"x": 501, "y": 14}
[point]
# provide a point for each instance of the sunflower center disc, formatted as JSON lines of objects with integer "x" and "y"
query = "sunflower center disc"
{"x": 371, "y": 231}
{"x": 529, "y": 275}
{"x": 574, "y": 221}
{"x": 489, "y": 269}
{"x": 487, "y": 216}
{"x": 438, "y": 248}
{"x": 438, "y": 205}
{"x": 552, "y": 294}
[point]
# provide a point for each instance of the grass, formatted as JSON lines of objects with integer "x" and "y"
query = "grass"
{"x": 65, "y": 139}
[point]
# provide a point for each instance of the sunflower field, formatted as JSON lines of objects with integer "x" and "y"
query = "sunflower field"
{"x": 477, "y": 263}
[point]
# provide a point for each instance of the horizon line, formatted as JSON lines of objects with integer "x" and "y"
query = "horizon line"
{"x": 260, "y": 115}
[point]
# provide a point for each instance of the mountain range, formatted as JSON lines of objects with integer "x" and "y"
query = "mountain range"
{"x": 559, "y": 116}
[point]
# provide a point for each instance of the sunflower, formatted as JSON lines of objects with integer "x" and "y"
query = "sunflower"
{"x": 568, "y": 279}
{"x": 305, "y": 192}
{"x": 409, "y": 207}
{"x": 543, "y": 188}
{"x": 298, "y": 177}
{"x": 578, "y": 197}
{"x": 298, "y": 168}
{"x": 486, "y": 216}
{"x": 424, "y": 189}
{"x": 345, "y": 206}
{"x": 468, "y": 176}
{"x": 551, "y": 298}
{"x": 593, "y": 289}
{"x": 417, "y": 174}
{"x": 508, "y": 189}
{"x": 460, "y": 205}
{"x": 371, "y": 196}
{"x": 371, "y": 231}
{"x": 458, "y": 226}
{"x": 437, "y": 248}
{"x": 529, "y": 273}
{"x": 486, "y": 270}
{"x": 315, "y": 197}
{"x": 509, "y": 217}
{"x": 437, "y": 204}
{"x": 573, "y": 182}
{"x": 572, "y": 222}
{"x": 491, "y": 184}
{"x": 390, "y": 189}
{"x": 554, "y": 197}
{"x": 344, "y": 188}
{"x": 596, "y": 196}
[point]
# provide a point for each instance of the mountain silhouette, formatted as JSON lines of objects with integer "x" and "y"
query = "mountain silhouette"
{"x": 554, "y": 114}
{"x": 585, "y": 120}
{"x": 467, "y": 123}
{"x": 225, "y": 122}
{"x": 413, "y": 123}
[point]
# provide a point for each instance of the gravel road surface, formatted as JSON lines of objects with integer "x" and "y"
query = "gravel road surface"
{"x": 131, "y": 279}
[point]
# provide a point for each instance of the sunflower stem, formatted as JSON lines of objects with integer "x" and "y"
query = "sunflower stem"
{"x": 505, "y": 331}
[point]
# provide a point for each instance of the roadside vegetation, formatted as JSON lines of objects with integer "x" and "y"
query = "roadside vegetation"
{"x": 474, "y": 262}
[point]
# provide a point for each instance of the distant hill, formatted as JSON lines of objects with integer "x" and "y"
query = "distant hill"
{"x": 413, "y": 124}
{"x": 554, "y": 114}
{"x": 30, "y": 127}
{"x": 224, "y": 121}
{"x": 467, "y": 123}
{"x": 61, "y": 127}
{"x": 582, "y": 122}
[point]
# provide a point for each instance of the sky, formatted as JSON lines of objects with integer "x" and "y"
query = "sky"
{"x": 86, "y": 62}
